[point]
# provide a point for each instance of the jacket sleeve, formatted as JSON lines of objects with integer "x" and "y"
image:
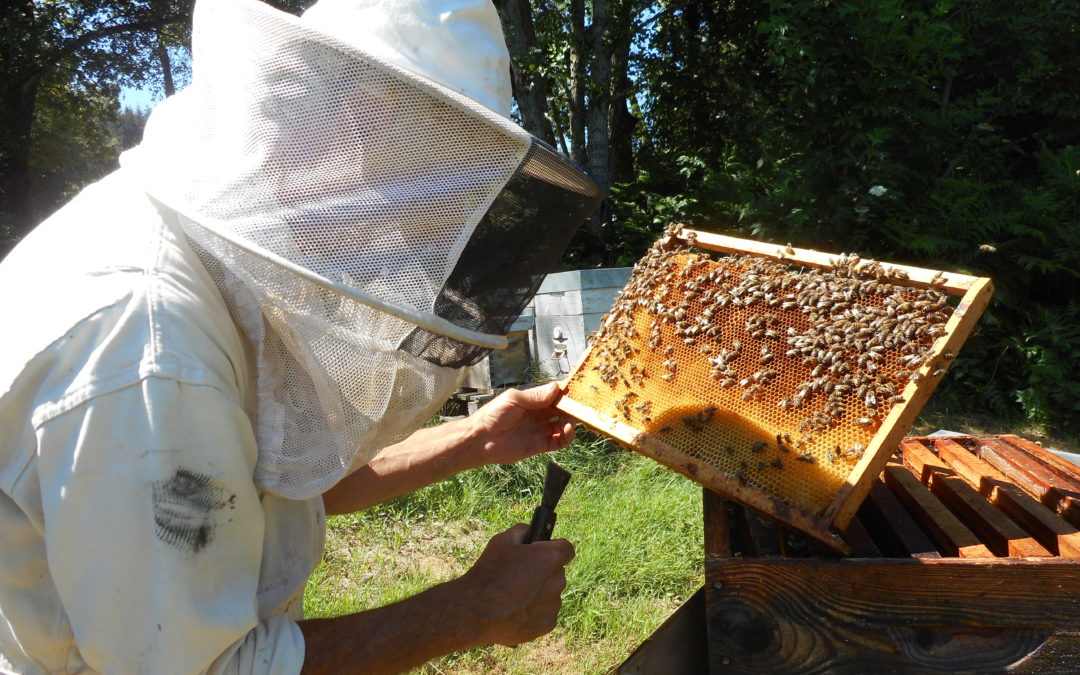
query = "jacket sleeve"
{"x": 154, "y": 533}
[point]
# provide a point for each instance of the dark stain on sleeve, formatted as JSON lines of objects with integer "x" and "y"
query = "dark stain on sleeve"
{"x": 185, "y": 507}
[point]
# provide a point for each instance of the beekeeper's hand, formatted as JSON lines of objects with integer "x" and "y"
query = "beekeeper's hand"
{"x": 519, "y": 424}
{"x": 513, "y": 426}
{"x": 515, "y": 589}
{"x": 512, "y": 594}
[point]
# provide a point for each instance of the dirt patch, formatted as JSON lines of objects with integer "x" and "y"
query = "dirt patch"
{"x": 434, "y": 549}
{"x": 548, "y": 654}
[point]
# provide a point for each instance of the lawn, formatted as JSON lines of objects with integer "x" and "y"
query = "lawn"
{"x": 636, "y": 526}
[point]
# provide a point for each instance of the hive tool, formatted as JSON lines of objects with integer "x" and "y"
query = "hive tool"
{"x": 543, "y": 520}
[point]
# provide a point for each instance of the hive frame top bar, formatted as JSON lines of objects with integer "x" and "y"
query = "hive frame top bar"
{"x": 955, "y": 284}
{"x": 827, "y": 526}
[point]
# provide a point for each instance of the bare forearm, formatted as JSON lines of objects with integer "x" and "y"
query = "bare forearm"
{"x": 510, "y": 595}
{"x": 425, "y": 457}
{"x": 390, "y": 639}
{"x": 515, "y": 425}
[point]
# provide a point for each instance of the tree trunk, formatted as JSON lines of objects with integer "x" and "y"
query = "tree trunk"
{"x": 598, "y": 162}
{"x": 530, "y": 91}
{"x": 578, "y": 79}
{"x": 19, "y": 94}
{"x": 162, "y": 53}
{"x": 621, "y": 122}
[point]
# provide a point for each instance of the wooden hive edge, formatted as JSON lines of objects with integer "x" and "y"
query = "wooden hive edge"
{"x": 702, "y": 473}
{"x": 900, "y": 418}
{"x": 918, "y": 277}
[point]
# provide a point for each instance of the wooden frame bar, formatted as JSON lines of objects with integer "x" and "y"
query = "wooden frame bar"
{"x": 1002, "y": 535}
{"x": 1058, "y": 536}
{"x": 826, "y": 525}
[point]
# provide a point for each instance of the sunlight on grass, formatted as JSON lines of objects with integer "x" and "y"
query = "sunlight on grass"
{"x": 636, "y": 527}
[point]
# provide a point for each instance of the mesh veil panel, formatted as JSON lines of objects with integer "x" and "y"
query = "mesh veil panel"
{"x": 518, "y": 241}
{"x": 350, "y": 201}
{"x": 320, "y": 409}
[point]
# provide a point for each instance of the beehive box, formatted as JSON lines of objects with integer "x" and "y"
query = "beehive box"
{"x": 966, "y": 559}
{"x": 777, "y": 377}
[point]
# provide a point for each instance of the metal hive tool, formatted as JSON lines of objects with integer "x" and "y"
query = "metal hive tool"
{"x": 780, "y": 378}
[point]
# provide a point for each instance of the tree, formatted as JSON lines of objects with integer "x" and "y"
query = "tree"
{"x": 85, "y": 49}
{"x": 931, "y": 132}
{"x": 571, "y": 79}
{"x": 88, "y": 44}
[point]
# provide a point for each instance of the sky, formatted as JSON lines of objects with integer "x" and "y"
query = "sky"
{"x": 139, "y": 98}
{"x": 148, "y": 96}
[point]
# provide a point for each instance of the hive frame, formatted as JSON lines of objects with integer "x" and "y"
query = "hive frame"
{"x": 974, "y": 295}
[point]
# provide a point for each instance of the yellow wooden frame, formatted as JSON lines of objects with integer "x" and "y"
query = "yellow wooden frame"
{"x": 974, "y": 295}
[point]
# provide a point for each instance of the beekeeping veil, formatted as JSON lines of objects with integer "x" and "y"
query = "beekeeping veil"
{"x": 372, "y": 218}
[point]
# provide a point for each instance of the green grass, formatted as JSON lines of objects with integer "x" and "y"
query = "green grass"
{"x": 636, "y": 526}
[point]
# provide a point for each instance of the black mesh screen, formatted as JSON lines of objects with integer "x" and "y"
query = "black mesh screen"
{"x": 515, "y": 245}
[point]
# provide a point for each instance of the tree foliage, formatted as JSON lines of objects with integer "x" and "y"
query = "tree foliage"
{"x": 930, "y": 133}
{"x": 80, "y": 51}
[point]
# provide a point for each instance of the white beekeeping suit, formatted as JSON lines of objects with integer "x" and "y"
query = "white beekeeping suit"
{"x": 284, "y": 277}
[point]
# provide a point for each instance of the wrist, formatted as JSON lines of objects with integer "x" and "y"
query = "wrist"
{"x": 468, "y": 438}
{"x": 471, "y": 625}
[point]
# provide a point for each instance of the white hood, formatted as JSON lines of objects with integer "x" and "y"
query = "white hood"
{"x": 349, "y": 210}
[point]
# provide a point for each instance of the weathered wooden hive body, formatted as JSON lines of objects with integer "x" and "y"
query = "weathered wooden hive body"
{"x": 965, "y": 558}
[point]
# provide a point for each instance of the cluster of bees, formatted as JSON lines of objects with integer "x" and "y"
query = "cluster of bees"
{"x": 850, "y": 336}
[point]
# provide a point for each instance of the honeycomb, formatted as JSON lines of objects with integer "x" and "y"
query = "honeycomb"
{"x": 775, "y": 374}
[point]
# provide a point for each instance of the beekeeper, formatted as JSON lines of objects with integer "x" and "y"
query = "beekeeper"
{"x": 205, "y": 352}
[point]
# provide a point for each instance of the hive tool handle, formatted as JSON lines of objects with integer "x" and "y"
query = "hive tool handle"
{"x": 543, "y": 520}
